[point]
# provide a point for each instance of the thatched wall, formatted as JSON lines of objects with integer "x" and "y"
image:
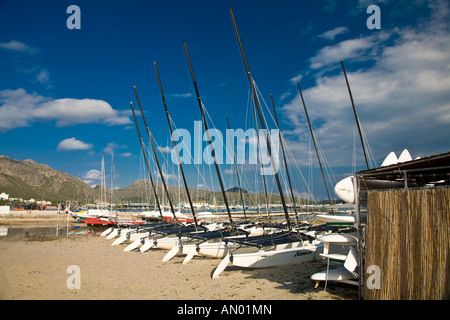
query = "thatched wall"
{"x": 408, "y": 238}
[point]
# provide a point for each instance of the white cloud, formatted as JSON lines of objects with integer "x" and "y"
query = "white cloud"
{"x": 17, "y": 46}
{"x": 125, "y": 154}
{"x": 20, "y": 109}
{"x": 73, "y": 144}
{"x": 402, "y": 97}
{"x": 167, "y": 176}
{"x": 69, "y": 111}
{"x": 17, "y": 108}
{"x": 111, "y": 147}
{"x": 296, "y": 78}
{"x": 348, "y": 49}
{"x": 166, "y": 149}
{"x": 43, "y": 77}
{"x": 92, "y": 177}
{"x": 180, "y": 95}
{"x": 331, "y": 34}
{"x": 228, "y": 171}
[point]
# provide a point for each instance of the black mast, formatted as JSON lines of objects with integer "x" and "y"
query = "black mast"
{"x": 314, "y": 141}
{"x": 156, "y": 156}
{"x": 175, "y": 145}
{"x": 146, "y": 162}
{"x": 260, "y": 160}
{"x": 356, "y": 115}
{"x": 284, "y": 157}
{"x": 261, "y": 120}
{"x": 236, "y": 168}
{"x": 207, "y": 132}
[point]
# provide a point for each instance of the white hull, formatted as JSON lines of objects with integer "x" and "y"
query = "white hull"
{"x": 130, "y": 237}
{"x": 338, "y": 239}
{"x": 292, "y": 253}
{"x": 332, "y": 218}
{"x": 340, "y": 275}
{"x": 344, "y": 190}
{"x": 168, "y": 242}
{"x": 215, "y": 249}
{"x": 280, "y": 255}
{"x": 92, "y": 213}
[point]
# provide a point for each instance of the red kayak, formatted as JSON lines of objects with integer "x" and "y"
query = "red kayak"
{"x": 106, "y": 221}
{"x": 186, "y": 220}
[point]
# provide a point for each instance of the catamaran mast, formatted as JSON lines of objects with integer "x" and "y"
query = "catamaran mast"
{"x": 236, "y": 168}
{"x": 314, "y": 141}
{"x": 146, "y": 162}
{"x": 175, "y": 145}
{"x": 255, "y": 98}
{"x": 113, "y": 184}
{"x": 285, "y": 161}
{"x": 156, "y": 156}
{"x": 356, "y": 115}
{"x": 260, "y": 160}
{"x": 207, "y": 132}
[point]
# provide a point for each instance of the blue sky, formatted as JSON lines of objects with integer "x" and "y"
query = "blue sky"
{"x": 64, "y": 94}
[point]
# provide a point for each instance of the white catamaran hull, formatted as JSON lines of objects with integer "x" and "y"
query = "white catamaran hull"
{"x": 338, "y": 275}
{"x": 282, "y": 255}
{"x": 215, "y": 249}
{"x": 130, "y": 237}
{"x": 168, "y": 243}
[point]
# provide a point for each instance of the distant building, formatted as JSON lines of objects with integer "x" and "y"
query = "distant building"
{"x": 4, "y": 196}
{"x": 196, "y": 204}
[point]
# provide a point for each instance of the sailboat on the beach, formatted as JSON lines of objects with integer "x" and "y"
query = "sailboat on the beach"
{"x": 101, "y": 211}
{"x": 279, "y": 248}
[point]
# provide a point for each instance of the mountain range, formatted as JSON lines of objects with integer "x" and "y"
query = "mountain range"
{"x": 28, "y": 179}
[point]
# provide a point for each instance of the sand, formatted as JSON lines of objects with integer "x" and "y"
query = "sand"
{"x": 38, "y": 270}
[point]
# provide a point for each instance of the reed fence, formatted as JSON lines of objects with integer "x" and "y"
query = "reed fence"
{"x": 408, "y": 238}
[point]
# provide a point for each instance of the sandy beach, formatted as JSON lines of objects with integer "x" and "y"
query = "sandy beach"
{"x": 38, "y": 270}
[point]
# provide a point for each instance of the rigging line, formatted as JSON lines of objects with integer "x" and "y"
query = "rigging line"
{"x": 283, "y": 139}
{"x": 172, "y": 171}
{"x": 156, "y": 157}
{"x": 264, "y": 104}
{"x": 209, "y": 137}
{"x": 180, "y": 166}
{"x": 262, "y": 165}
{"x": 261, "y": 119}
{"x": 219, "y": 137}
{"x": 242, "y": 172}
{"x": 291, "y": 159}
{"x": 146, "y": 161}
{"x": 266, "y": 123}
{"x": 190, "y": 155}
{"x": 250, "y": 143}
{"x": 227, "y": 153}
{"x": 298, "y": 168}
{"x": 143, "y": 174}
{"x": 310, "y": 163}
{"x": 327, "y": 166}
{"x": 314, "y": 140}
{"x": 370, "y": 154}
{"x": 252, "y": 195}
{"x": 237, "y": 172}
{"x": 285, "y": 161}
{"x": 355, "y": 114}
{"x": 354, "y": 151}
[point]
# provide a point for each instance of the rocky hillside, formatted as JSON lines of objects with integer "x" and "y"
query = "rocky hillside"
{"x": 28, "y": 179}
